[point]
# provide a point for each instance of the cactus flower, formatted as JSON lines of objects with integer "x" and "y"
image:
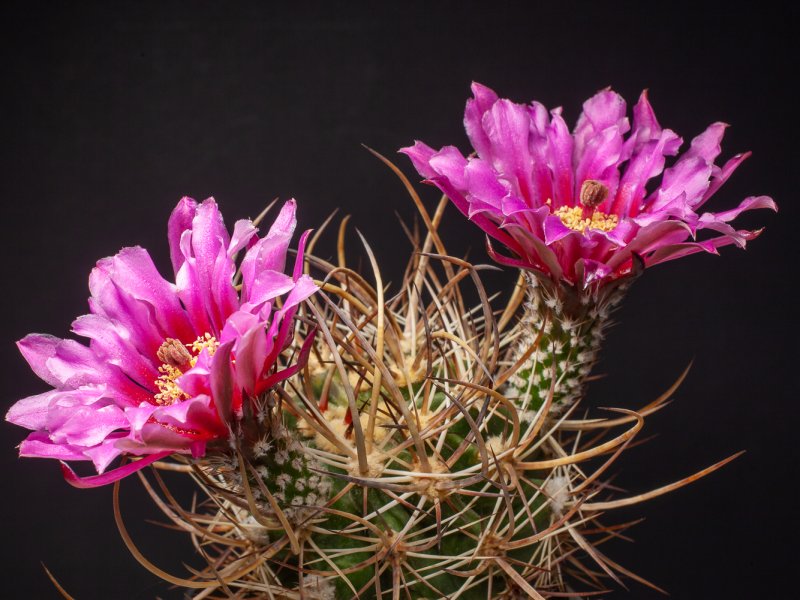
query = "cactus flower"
{"x": 580, "y": 207}
{"x": 168, "y": 366}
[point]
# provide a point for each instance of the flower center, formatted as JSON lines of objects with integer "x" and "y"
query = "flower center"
{"x": 176, "y": 359}
{"x": 575, "y": 218}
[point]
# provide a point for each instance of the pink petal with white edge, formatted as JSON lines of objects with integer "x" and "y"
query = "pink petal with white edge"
{"x": 479, "y": 219}
{"x": 110, "y": 342}
{"x": 645, "y": 127}
{"x": 179, "y": 221}
{"x": 269, "y": 253}
{"x": 103, "y": 454}
{"x": 88, "y": 426}
{"x": 31, "y": 412}
{"x": 482, "y": 101}
{"x": 61, "y": 363}
{"x": 420, "y": 155}
{"x": 39, "y": 445}
{"x": 649, "y": 239}
{"x": 214, "y": 267}
{"x": 450, "y": 163}
{"x": 645, "y": 164}
{"x": 508, "y": 126}
{"x": 720, "y": 177}
{"x": 267, "y": 286}
{"x": 243, "y": 233}
{"x": 605, "y": 110}
{"x": 482, "y": 182}
{"x": 134, "y": 272}
{"x": 751, "y": 203}
{"x": 559, "y": 161}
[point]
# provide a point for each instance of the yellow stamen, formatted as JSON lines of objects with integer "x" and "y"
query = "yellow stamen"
{"x": 572, "y": 217}
{"x": 206, "y": 341}
{"x": 169, "y": 392}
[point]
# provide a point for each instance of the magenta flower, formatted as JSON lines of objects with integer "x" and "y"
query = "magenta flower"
{"x": 168, "y": 366}
{"x": 576, "y": 206}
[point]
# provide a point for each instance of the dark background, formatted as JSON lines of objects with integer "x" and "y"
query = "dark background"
{"x": 112, "y": 112}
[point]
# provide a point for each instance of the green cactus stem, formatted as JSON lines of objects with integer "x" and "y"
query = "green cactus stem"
{"x": 560, "y": 332}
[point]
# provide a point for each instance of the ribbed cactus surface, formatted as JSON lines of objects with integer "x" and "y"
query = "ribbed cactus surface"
{"x": 560, "y": 333}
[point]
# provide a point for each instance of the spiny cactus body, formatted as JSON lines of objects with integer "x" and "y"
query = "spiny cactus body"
{"x": 426, "y": 450}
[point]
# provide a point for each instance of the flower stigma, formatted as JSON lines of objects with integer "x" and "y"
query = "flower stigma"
{"x": 177, "y": 358}
{"x": 593, "y": 193}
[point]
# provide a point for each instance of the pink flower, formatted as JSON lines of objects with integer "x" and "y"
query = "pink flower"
{"x": 576, "y": 206}
{"x": 168, "y": 366}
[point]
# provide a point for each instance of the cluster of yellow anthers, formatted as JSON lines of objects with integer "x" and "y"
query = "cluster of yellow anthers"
{"x": 573, "y": 217}
{"x": 176, "y": 359}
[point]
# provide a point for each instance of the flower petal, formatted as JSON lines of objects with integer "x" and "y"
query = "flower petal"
{"x": 222, "y": 382}
{"x": 559, "y": 161}
{"x": 603, "y": 111}
{"x": 420, "y": 155}
{"x": 62, "y": 363}
{"x": 39, "y": 445}
{"x": 481, "y": 102}
{"x": 751, "y": 203}
{"x": 205, "y": 279}
{"x": 89, "y": 426}
{"x": 128, "y": 289}
{"x": 179, "y": 221}
{"x": 111, "y": 476}
{"x": 508, "y": 127}
{"x": 31, "y": 412}
{"x": 269, "y": 253}
{"x": 110, "y": 342}
{"x": 647, "y": 163}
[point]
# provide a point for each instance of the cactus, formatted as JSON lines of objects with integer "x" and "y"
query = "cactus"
{"x": 372, "y": 441}
{"x": 411, "y": 456}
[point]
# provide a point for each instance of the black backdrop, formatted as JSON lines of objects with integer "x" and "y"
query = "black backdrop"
{"x": 112, "y": 112}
